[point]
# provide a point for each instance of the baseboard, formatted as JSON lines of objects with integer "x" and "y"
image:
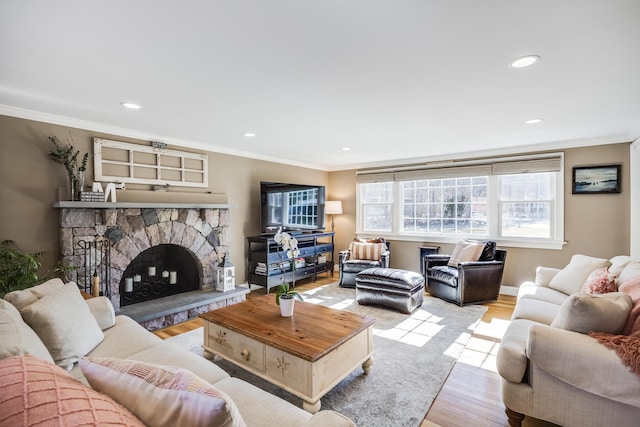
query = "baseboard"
{"x": 509, "y": 290}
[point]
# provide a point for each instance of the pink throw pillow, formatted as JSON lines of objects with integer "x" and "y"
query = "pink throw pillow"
{"x": 631, "y": 287}
{"x": 600, "y": 281}
{"x": 37, "y": 392}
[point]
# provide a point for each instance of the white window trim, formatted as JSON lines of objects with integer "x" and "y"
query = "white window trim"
{"x": 556, "y": 242}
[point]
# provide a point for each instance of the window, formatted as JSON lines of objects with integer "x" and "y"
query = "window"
{"x": 451, "y": 206}
{"x": 515, "y": 201}
{"x": 377, "y": 204}
{"x": 526, "y": 205}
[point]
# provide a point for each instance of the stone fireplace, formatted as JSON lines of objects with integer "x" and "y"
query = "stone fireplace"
{"x": 186, "y": 241}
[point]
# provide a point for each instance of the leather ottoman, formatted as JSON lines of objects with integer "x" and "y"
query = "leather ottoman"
{"x": 401, "y": 290}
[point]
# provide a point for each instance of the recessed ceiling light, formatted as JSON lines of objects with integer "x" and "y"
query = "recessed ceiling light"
{"x": 525, "y": 61}
{"x": 249, "y": 135}
{"x": 533, "y": 121}
{"x": 346, "y": 148}
{"x": 131, "y": 105}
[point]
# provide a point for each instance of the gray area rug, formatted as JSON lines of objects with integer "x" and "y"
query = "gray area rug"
{"x": 413, "y": 355}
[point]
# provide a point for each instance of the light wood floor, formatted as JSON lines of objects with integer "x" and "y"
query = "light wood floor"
{"x": 471, "y": 395}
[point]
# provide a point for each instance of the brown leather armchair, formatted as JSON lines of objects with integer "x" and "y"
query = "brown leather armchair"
{"x": 361, "y": 255}
{"x": 470, "y": 282}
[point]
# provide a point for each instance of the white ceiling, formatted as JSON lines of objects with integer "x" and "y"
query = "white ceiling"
{"x": 396, "y": 80}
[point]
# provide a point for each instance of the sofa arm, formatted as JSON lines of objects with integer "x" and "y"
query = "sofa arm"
{"x": 102, "y": 309}
{"x": 329, "y": 418}
{"x": 569, "y": 356}
{"x": 544, "y": 275}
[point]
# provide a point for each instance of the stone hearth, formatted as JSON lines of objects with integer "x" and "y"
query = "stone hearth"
{"x": 203, "y": 230}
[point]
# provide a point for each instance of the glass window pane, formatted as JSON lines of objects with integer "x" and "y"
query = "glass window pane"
{"x": 526, "y": 219}
{"x": 377, "y": 218}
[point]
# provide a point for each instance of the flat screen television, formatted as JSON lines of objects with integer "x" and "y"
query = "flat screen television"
{"x": 294, "y": 207}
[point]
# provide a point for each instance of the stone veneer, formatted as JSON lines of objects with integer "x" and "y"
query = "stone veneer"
{"x": 204, "y": 232}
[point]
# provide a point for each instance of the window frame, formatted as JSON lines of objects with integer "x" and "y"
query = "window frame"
{"x": 494, "y": 203}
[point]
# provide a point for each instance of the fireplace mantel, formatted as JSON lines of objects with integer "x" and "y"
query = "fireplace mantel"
{"x": 143, "y": 205}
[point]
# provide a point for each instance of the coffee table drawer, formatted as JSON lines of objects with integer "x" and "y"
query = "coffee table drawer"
{"x": 241, "y": 349}
{"x": 289, "y": 371}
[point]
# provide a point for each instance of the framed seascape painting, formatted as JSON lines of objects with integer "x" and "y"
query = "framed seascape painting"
{"x": 596, "y": 179}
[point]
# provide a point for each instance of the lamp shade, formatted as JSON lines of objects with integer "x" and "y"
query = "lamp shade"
{"x": 333, "y": 207}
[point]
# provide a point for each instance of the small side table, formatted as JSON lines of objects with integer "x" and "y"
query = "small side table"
{"x": 424, "y": 251}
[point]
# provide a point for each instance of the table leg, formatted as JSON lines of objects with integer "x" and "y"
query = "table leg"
{"x": 366, "y": 366}
{"x": 311, "y": 407}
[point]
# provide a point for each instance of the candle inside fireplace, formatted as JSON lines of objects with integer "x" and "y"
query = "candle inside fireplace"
{"x": 128, "y": 284}
{"x": 165, "y": 273}
{"x": 137, "y": 278}
{"x": 152, "y": 271}
{"x": 173, "y": 277}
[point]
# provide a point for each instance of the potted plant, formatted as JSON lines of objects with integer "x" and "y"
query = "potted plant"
{"x": 19, "y": 270}
{"x": 67, "y": 155}
{"x": 286, "y": 295}
{"x": 286, "y": 298}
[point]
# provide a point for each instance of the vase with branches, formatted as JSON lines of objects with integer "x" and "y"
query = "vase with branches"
{"x": 67, "y": 155}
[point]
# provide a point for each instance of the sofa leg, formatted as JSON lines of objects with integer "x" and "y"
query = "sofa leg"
{"x": 514, "y": 418}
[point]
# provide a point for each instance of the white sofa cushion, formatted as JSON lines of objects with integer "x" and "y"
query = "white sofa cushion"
{"x": 25, "y": 297}
{"x": 161, "y": 395}
{"x": 102, "y": 310}
{"x": 259, "y": 407}
{"x": 17, "y": 337}
{"x": 630, "y": 272}
{"x": 585, "y": 313}
{"x": 65, "y": 325}
{"x": 536, "y": 310}
{"x": 530, "y": 290}
{"x": 571, "y": 278}
{"x": 619, "y": 263}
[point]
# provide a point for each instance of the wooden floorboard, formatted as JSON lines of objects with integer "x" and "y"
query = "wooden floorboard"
{"x": 471, "y": 394}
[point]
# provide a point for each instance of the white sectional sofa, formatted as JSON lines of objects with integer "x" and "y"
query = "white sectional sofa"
{"x": 105, "y": 335}
{"x": 551, "y": 368}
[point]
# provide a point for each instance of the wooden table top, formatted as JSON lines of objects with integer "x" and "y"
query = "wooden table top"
{"x": 311, "y": 332}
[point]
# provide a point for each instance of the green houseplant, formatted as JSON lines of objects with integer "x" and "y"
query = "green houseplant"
{"x": 18, "y": 270}
{"x": 67, "y": 155}
{"x": 286, "y": 294}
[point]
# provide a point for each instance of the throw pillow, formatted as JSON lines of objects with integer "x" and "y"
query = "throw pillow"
{"x": 161, "y": 395}
{"x": 630, "y": 272}
{"x": 588, "y": 313}
{"x": 618, "y": 263}
{"x": 632, "y": 288}
{"x": 35, "y": 392}
{"x": 367, "y": 251}
{"x": 25, "y": 297}
{"x": 465, "y": 251}
{"x": 489, "y": 251}
{"x": 600, "y": 281}
{"x": 65, "y": 325}
{"x": 571, "y": 278}
{"x": 16, "y": 337}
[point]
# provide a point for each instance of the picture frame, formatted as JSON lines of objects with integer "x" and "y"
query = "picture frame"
{"x": 601, "y": 179}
